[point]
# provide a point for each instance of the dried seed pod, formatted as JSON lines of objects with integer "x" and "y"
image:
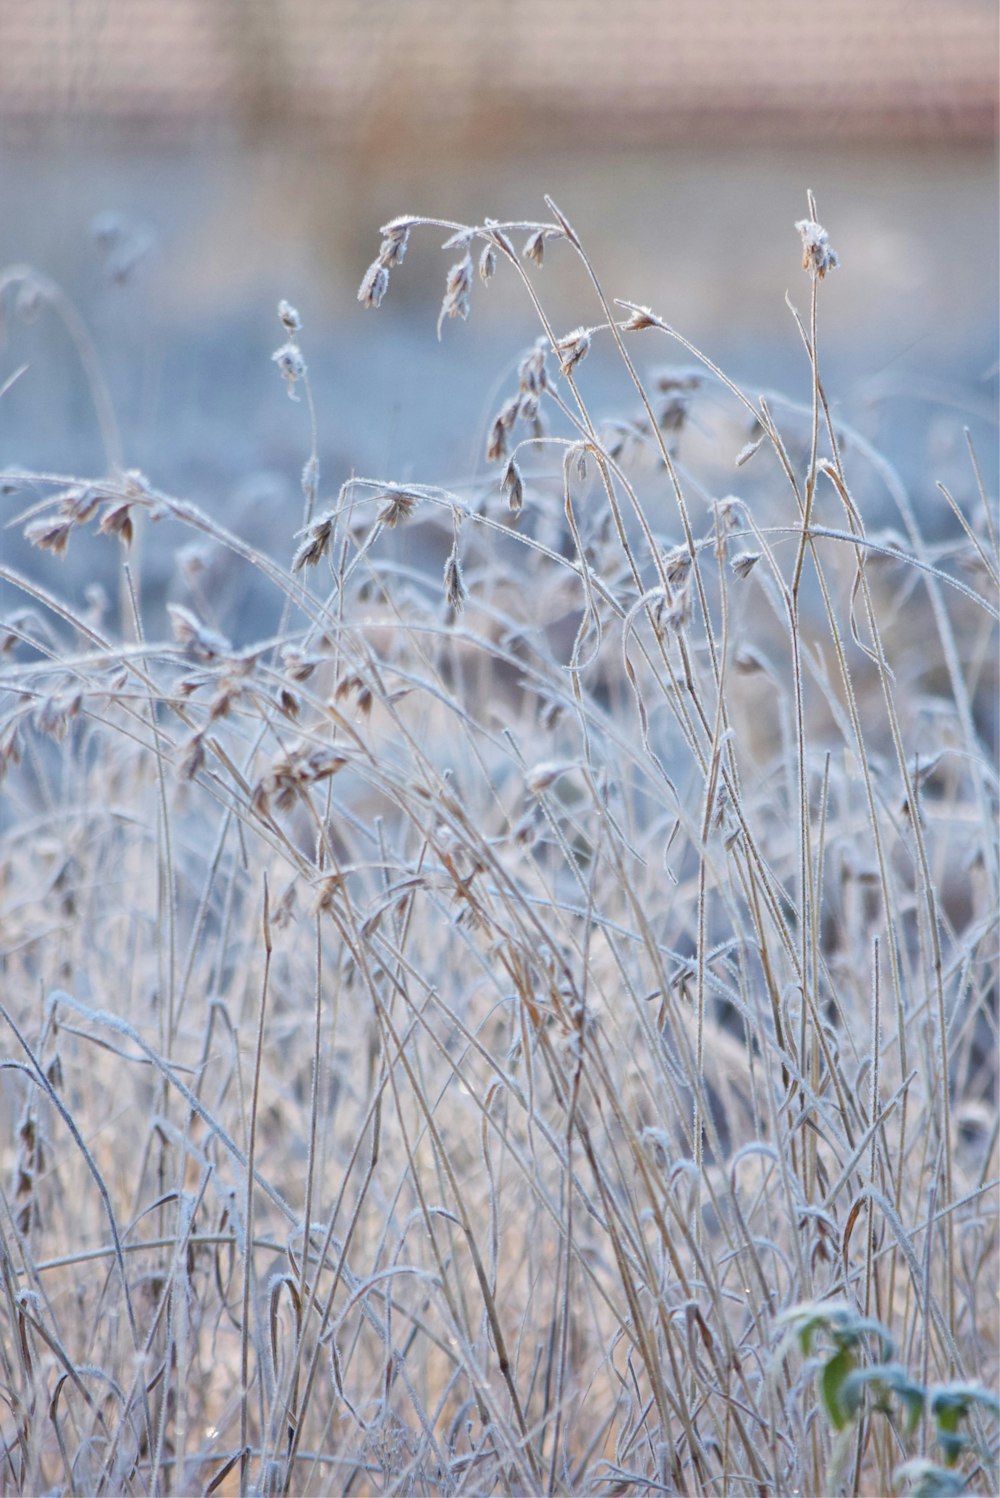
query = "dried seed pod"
{"x": 457, "y": 291}
{"x": 510, "y": 411}
{"x": 291, "y": 366}
{"x": 345, "y": 686}
{"x": 291, "y": 775}
{"x": 726, "y": 513}
{"x": 298, "y": 665}
{"x": 512, "y": 486}
{"x": 289, "y": 318}
{"x": 79, "y": 503}
{"x": 374, "y": 286}
{"x": 573, "y": 348}
{"x": 11, "y": 749}
{"x": 198, "y": 641}
{"x": 396, "y": 237}
{"x": 326, "y": 891}
{"x": 531, "y": 373}
{"x": 496, "y": 442}
{"x": 541, "y": 776}
{"x": 678, "y": 616}
{"x": 677, "y": 565}
{"x": 639, "y": 319}
{"x": 454, "y": 587}
{"x": 15, "y": 628}
{"x": 534, "y": 248}
{"x": 398, "y": 506}
{"x": 194, "y": 756}
{"x": 817, "y": 254}
{"x": 744, "y": 563}
{"x": 399, "y": 226}
{"x": 315, "y": 541}
{"x": 117, "y": 521}
{"x": 49, "y": 535}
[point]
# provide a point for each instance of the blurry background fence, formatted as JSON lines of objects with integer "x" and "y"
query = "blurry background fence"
{"x": 394, "y": 74}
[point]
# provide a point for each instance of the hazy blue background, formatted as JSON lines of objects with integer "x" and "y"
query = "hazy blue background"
{"x": 239, "y": 206}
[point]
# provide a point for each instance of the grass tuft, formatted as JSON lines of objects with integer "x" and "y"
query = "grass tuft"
{"x": 528, "y": 1023}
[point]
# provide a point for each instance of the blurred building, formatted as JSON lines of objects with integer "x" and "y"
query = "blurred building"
{"x": 391, "y": 74}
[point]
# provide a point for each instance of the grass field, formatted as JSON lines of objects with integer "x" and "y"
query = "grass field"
{"x": 526, "y": 1023}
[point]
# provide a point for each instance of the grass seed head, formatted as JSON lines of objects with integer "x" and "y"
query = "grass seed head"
{"x": 315, "y": 542}
{"x": 512, "y": 485}
{"x": 393, "y": 248}
{"x": 398, "y": 506}
{"x": 496, "y": 441}
{"x": 117, "y": 521}
{"x": 289, "y": 318}
{"x": 291, "y": 366}
{"x": 534, "y": 248}
{"x": 744, "y": 563}
{"x": 573, "y": 348}
{"x": 198, "y": 641}
{"x": 818, "y": 256}
{"x": 457, "y": 294}
{"x": 677, "y": 565}
{"x": 454, "y": 587}
{"x": 50, "y": 535}
{"x": 374, "y": 285}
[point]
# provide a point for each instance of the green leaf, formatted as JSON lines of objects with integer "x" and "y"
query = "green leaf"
{"x": 807, "y": 1320}
{"x": 884, "y": 1379}
{"x": 914, "y": 1397}
{"x": 831, "y": 1384}
{"x": 840, "y": 1321}
{"x": 950, "y": 1403}
{"x": 858, "y": 1325}
{"x": 952, "y": 1444}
